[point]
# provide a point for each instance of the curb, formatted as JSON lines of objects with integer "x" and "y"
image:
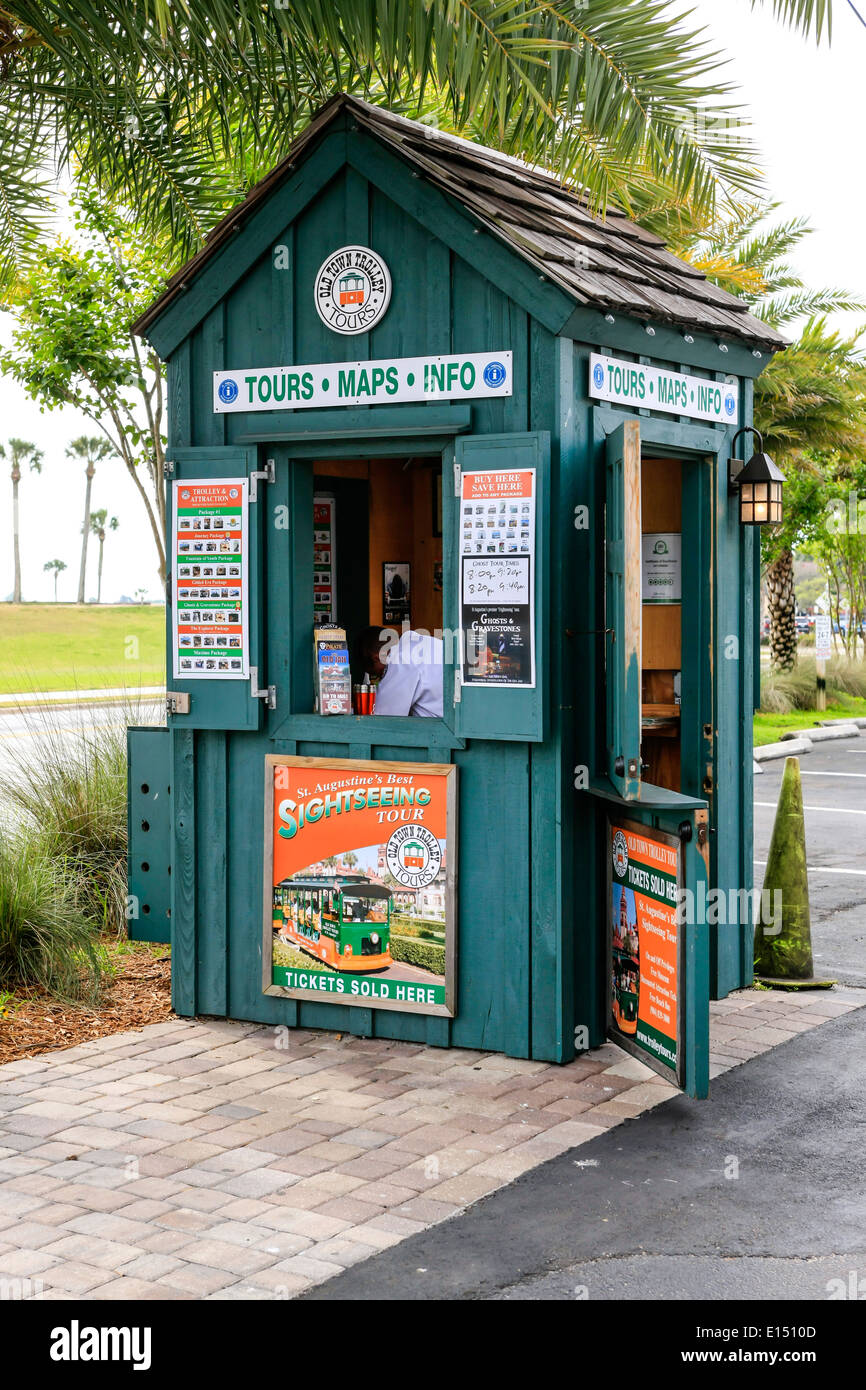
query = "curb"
{"x": 842, "y": 723}
{"x": 823, "y": 735}
{"x": 793, "y": 745}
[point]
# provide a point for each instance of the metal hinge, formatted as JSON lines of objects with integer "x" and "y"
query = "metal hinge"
{"x": 268, "y": 474}
{"x": 458, "y": 687}
{"x": 267, "y": 693}
{"x": 177, "y": 702}
{"x": 456, "y": 479}
{"x": 168, "y": 468}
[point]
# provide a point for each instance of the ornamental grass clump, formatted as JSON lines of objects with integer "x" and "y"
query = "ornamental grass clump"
{"x": 782, "y": 692}
{"x": 45, "y": 939}
{"x": 64, "y": 791}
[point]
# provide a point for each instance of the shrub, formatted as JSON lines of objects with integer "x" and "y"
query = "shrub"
{"x": 425, "y": 954}
{"x": 45, "y": 938}
{"x": 784, "y": 691}
{"x": 66, "y": 787}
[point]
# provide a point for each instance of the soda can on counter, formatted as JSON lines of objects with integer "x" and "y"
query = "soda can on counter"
{"x": 368, "y": 698}
{"x": 356, "y": 699}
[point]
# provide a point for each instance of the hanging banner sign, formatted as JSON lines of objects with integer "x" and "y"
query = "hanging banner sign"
{"x": 497, "y": 579}
{"x": 359, "y": 902}
{"x": 656, "y": 388}
{"x": 388, "y": 381}
{"x": 210, "y": 609}
{"x": 646, "y": 964}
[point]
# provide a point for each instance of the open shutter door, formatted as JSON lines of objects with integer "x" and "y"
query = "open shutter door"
{"x": 499, "y": 608}
{"x": 623, "y": 609}
{"x": 218, "y": 698}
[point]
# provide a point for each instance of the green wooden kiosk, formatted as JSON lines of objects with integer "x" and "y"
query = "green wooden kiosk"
{"x": 405, "y": 354}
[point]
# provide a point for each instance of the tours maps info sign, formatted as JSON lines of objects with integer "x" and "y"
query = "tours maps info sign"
{"x": 646, "y": 977}
{"x": 359, "y": 901}
{"x": 386, "y": 381}
{"x": 656, "y": 388}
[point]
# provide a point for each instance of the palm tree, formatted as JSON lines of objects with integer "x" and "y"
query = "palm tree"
{"x": 810, "y": 399}
{"x": 90, "y": 450}
{"x": 175, "y": 108}
{"x": 97, "y": 526}
{"x": 57, "y": 566}
{"x": 20, "y": 451}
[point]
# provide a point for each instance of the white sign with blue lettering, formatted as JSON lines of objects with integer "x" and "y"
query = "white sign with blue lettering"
{"x": 465, "y": 376}
{"x": 656, "y": 388}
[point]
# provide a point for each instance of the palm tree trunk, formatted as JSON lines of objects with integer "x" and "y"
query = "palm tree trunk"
{"x": 56, "y": 577}
{"x": 16, "y": 590}
{"x": 86, "y": 532}
{"x": 780, "y": 599}
{"x": 99, "y": 571}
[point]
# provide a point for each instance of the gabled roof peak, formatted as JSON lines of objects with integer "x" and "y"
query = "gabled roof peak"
{"x": 604, "y": 262}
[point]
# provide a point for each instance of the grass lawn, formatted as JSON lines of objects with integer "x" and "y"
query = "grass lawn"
{"x": 48, "y": 646}
{"x": 770, "y": 727}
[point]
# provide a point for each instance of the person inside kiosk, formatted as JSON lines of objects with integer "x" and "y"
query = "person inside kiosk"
{"x": 409, "y": 671}
{"x": 377, "y": 574}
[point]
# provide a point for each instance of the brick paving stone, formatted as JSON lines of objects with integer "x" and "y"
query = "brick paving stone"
{"x": 309, "y": 1266}
{"x": 92, "y": 1250}
{"x": 27, "y": 1263}
{"x": 73, "y": 1277}
{"x": 221, "y": 1254}
{"x": 599, "y": 1116}
{"x": 260, "y": 1182}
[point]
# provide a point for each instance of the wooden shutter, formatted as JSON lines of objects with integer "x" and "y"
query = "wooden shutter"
{"x": 623, "y": 609}
{"x": 509, "y": 712}
{"x": 221, "y": 704}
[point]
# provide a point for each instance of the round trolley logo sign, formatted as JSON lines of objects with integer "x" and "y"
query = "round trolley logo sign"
{"x": 352, "y": 290}
{"x": 414, "y": 856}
{"x": 619, "y": 854}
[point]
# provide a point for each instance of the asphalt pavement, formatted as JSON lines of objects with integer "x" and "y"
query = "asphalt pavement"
{"x": 834, "y": 798}
{"x": 753, "y": 1194}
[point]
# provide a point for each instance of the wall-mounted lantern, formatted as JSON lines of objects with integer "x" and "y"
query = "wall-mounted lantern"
{"x": 759, "y": 484}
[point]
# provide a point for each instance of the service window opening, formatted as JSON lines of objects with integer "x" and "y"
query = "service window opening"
{"x": 377, "y": 549}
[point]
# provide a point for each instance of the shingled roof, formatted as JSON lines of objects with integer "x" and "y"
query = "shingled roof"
{"x": 605, "y": 262}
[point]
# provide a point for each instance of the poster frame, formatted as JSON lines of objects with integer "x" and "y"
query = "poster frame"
{"x": 175, "y": 582}
{"x": 449, "y": 771}
{"x": 531, "y": 557}
{"x": 676, "y": 1076}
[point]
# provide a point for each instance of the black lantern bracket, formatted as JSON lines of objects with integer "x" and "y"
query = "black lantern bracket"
{"x": 735, "y": 465}
{"x": 759, "y": 484}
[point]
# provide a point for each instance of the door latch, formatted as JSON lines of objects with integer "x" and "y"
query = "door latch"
{"x": 268, "y": 693}
{"x": 268, "y": 474}
{"x": 177, "y": 702}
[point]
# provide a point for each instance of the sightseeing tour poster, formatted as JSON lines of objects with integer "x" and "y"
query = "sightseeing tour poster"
{"x": 497, "y": 577}
{"x": 360, "y": 871}
{"x": 210, "y": 615}
{"x": 645, "y": 957}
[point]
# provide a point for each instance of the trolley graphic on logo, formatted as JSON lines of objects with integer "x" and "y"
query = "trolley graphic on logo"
{"x": 353, "y": 289}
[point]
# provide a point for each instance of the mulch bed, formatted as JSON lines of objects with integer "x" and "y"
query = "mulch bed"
{"x": 140, "y": 993}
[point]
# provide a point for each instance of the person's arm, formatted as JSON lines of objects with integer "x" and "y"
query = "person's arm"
{"x": 396, "y": 691}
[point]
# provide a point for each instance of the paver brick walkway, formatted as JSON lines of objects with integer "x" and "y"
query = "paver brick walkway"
{"x": 209, "y": 1159}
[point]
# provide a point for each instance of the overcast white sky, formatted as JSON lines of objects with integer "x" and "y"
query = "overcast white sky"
{"x": 807, "y": 108}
